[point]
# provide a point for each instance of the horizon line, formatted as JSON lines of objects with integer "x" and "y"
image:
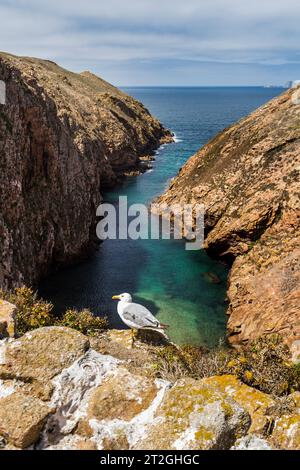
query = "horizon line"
{"x": 202, "y": 86}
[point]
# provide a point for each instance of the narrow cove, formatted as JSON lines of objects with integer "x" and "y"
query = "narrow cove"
{"x": 184, "y": 289}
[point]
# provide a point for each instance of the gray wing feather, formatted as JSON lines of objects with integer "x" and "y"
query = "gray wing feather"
{"x": 140, "y": 316}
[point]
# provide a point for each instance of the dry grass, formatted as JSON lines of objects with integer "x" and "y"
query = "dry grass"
{"x": 264, "y": 365}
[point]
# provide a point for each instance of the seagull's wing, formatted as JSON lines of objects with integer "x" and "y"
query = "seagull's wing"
{"x": 140, "y": 316}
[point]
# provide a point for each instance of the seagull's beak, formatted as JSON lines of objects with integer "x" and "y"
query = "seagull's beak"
{"x": 115, "y": 297}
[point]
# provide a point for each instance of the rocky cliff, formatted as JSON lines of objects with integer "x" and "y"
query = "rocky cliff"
{"x": 62, "y": 390}
{"x": 248, "y": 179}
{"x": 63, "y": 138}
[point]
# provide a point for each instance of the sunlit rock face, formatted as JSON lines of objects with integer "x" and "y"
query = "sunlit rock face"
{"x": 247, "y": 177}
{"x": 98, "y": 393}
{"x": 63, "y": 138}
{"x": 7, "y": 319}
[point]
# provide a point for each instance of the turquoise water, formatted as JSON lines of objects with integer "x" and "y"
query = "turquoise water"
{"x": 172, "y": 282}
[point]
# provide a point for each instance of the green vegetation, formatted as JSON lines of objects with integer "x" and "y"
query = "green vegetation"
{"x": 83, "y": 321}
{"x": 35, "y": 313}
{"x": 264, "y": 364}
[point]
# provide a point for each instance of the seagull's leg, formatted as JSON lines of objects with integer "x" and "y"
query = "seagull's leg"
{"x": 133, "y": 336}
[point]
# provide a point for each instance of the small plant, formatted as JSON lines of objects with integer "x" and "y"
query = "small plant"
{"x": 35, "y": 313}
{"x": 32, "y": 312}
{"x": 83, "y": 321}
{"x": 264, "y": 364}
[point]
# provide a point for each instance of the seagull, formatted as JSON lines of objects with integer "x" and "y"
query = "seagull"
{"x": 136, "y": 316}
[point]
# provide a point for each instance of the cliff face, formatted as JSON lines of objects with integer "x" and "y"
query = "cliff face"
{"x": 63, "y": 138}
{"x": 248, "y": 179}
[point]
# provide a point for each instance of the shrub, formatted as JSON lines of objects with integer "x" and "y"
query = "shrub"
{"x": 35, "y": 313}
{"x": 264, "y": 364}
{"x": 32, "y": 313}
{"x": 83, "y": 321}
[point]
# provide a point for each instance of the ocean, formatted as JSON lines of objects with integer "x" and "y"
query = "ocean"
{"x": 173, "y": 283}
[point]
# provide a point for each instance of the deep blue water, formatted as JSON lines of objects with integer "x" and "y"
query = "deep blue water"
{"x": 171, "y": 281}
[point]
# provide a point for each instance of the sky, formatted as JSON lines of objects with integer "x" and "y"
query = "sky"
{"x": 160, "y": 42}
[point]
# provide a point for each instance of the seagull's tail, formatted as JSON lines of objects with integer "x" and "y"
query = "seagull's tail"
{"x": 163, "y": 326}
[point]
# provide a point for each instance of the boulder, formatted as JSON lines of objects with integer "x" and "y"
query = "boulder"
{"x": 115, "y": 409}
{"x": 72, "y": 390}
{"x": 22, "y": 419}
{"x": 121, "y": 397}
{"x": 252, "y": 400}
{"x": 7, "y": 319}
{"x": 286, "y": 433}
{"x": 196, "y": 416}
{"x": 39, "y": 355}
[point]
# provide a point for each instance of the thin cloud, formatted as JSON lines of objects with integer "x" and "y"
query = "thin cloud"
{"x": 108, "y": 36}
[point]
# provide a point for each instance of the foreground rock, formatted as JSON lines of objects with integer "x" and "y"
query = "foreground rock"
{"x": 286, "y": 433}
{"x": 255, "y": 402}
{"x": 7, "y": 319}
{"x": 247, "y": 177}
{"x": 251, "y": 443}
{"x": 195, "y": 416}
{"x": 107, "y": 397}
{"x": 63, "y": 138}
{"x": 21, "y": 419}
{"x": 38, "y": 356}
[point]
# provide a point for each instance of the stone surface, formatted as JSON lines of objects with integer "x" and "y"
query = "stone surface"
{"x": 247, "y": 177}
{"x": 7, "y": 319}
{"x": 64, "y": 137}
{"x": 121, "y": 397}
{"x": 195, "y": 416}
{"x": 22, "y": 419}
{"x": 86, "y": 444}
{"x": 6, "y": 388}
{"x": 251, "y": 442}
{"x": 38, "y": 356}
{"x": 255, "y": 402}
{"x": 98, "y": 401}
{"x": 295, "y": 351}
{"x": 72, "y": 390}
{"x": 286, "y": 432}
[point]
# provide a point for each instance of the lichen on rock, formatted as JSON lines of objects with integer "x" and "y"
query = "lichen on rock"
{"x": 196, "y": 416}
{"x": 95, "y": 400}
{"x": 255, "y": 402}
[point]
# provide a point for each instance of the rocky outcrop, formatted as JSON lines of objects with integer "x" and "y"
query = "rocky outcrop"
{"x": 195, "y": 416}
{"x": 247, "y": 177}
{"x": 63, "y": 138}
{"x": 21, "y": 419}
{"x": 38, "y": 356}
{"x": 7, "y": 319}
{"x": 286, "y": 433}
{"x": 99, "y": 393}
{"x": 256, "y": 403}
